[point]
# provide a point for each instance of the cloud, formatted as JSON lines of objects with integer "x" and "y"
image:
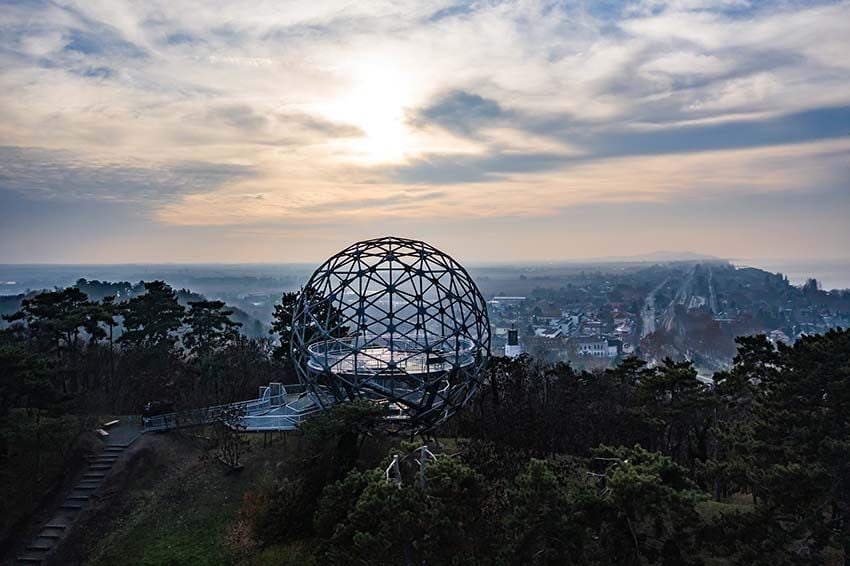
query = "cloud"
{"x": 340, "y": 110}
{"x": 495, "y": 166}
{"x": 322, "y": 126}
{"x": 815, "y": 124}
{"x": 809, "y": 168}
{"x": 599, "y": 142}
{"x": 102, "y": 41}
{"x": 462, "y": 112}
{"x": 452, "y": 11}
{"x": 472, "y": 65}
{"x": 62, "y": 175}
{"x": 239, "y": 116}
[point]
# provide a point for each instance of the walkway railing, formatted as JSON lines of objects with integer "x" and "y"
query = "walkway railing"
{"x": 278, "y": 408}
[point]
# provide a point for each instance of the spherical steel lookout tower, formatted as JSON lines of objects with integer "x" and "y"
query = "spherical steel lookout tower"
{"x": 396, "y": 321}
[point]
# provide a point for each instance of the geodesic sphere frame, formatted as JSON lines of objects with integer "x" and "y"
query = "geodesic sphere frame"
{"x": 395, "y": 321}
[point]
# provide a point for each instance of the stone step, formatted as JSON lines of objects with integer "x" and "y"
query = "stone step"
{"x": 53, "y": 528}
{"x": 48, "y": 537}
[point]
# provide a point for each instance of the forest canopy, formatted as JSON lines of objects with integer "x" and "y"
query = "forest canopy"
{"x": 547, "y": 465}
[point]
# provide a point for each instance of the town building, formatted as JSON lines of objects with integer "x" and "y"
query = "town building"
{"x": 591, "y": 346}
{"x": 512, "y": 348}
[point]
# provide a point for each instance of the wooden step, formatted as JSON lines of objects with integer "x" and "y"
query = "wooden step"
{"x": 55, "y": 526}
{"x": 71, "y": 506}
{"x": 38, "y": 547}
{"x": 28, "y": 559}
{"x": 51, "y": 536}
{"x": 77, "y": 498}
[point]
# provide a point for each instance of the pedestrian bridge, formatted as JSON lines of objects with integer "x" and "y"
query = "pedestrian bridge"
{"x": 278, "y": 407}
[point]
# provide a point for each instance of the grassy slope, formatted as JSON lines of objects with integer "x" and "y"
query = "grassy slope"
{"x": 179, "y": 509}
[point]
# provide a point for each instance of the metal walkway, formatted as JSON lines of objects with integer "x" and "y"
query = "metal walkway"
{"x": 277, "y": 408}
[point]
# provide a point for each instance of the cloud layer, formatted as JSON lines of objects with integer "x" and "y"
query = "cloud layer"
{"x": 304, "y": 116}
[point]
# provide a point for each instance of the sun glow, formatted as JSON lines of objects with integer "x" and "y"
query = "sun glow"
{"x": 376, "y": 104}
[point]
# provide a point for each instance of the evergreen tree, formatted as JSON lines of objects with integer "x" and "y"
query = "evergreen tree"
{"x": 282, "y": 322}
{"x": 151, "y": 319}
{"x": 646, "y": 509}
{"x": 282, "y": 325}
{"x": 210, "y": 327}
{"x": 370, "y": 520}
{"x": 795, "y": 451}
{"x": 679, "y": 410}
{"x": 54, "y": 319}
{"x": 210, "y": 331}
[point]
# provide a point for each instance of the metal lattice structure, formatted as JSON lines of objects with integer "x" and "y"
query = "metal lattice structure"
{"x": 396, "y": 321}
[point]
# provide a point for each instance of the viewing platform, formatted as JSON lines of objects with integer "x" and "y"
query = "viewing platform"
{"x": 385, "y": 355}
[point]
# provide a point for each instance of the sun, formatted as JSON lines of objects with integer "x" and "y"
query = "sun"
{"x": 376, "y": 103}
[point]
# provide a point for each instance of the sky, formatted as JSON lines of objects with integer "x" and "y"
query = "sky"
{"x": 188, "y": 131}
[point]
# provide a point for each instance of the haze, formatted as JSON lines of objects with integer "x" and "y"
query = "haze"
{"x": 271, "y": 132}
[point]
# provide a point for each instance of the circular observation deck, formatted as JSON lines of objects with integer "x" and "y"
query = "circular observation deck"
{"x": 387, "y": 355}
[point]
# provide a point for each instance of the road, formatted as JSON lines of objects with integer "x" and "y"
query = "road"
{"x": 648, "y": 312}
{"x": 680, "y": 299}
{"x": 712, "y": 295}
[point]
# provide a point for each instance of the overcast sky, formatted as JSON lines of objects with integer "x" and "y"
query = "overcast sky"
{"x": 173, "y": 131}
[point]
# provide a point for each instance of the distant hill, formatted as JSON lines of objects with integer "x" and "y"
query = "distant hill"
{"x": 665, "y": 256}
